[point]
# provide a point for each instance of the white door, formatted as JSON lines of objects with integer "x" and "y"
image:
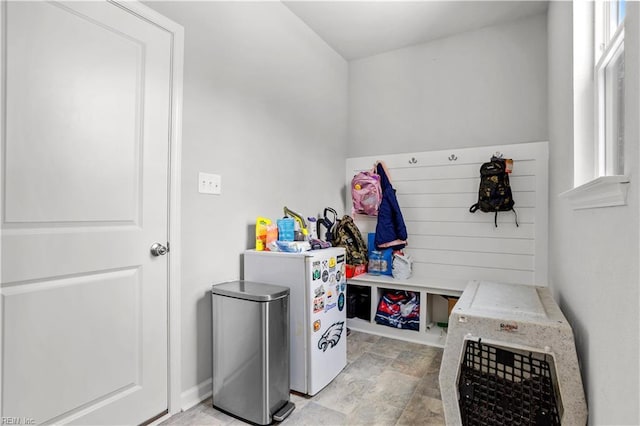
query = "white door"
{"x": 84, "y": 195}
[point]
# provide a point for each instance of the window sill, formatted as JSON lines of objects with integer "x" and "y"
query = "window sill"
{"x": 605, "y": 191}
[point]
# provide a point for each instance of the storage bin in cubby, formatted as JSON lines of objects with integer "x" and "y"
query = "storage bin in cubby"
{"x": 359, "y": 302}
{"x": 398, "y": 309}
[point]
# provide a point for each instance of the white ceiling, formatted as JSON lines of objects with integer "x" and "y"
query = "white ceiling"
{"x": 357, "y": 29}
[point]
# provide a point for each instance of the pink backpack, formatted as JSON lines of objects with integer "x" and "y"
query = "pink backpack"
{"x": 366, "y": 193}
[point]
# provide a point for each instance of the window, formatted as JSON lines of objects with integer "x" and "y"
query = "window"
{"x": 609, "y": 76}
{"x": 599, "y": 67}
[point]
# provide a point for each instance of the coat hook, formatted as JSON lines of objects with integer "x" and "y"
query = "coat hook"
{"x": 453, "y": 157}
{"x": 498, "y": 154}
{"x": 413, "y": 160}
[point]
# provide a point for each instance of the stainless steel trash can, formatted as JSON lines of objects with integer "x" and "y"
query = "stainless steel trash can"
{"x": 251, "y": 350}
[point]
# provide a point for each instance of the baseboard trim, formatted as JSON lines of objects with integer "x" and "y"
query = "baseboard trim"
{"x": 195, "y": 395}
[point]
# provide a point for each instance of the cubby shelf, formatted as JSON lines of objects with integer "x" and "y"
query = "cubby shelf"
{"x": 433, "y": 309}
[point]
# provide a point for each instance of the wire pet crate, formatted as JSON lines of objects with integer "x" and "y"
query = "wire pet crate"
{"x": 498, "y": 386}
{"x": 510, "y": 359}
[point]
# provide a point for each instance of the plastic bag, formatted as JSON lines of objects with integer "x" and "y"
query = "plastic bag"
{"x": 401, "y": 266}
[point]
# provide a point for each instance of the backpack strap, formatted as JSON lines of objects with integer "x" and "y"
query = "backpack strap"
{"x": 474, "y": 208}
{"x": 495, "y": 220}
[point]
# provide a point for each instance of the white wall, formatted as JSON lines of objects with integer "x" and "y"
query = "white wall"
{"x": 594, "y": 253}
{"x": 262, "y": 90}
{"x": 265, "y": 106}
{"x": 485, "y": 87}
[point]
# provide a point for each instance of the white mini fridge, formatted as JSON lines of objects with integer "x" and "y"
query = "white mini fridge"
{"x": 317, "y": 310}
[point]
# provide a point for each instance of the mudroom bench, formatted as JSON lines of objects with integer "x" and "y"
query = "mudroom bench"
{"x": 449, "y": 245}
{"x": 433, "y": 306}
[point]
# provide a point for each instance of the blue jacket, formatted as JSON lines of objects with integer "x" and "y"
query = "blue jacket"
{"x": 390, "y": 227}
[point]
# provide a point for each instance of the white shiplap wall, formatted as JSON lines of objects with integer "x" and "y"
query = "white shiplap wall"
{"x": 451, "y": 246}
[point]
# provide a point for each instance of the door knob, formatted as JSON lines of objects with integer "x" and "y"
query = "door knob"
{"x": 158, "y": 249}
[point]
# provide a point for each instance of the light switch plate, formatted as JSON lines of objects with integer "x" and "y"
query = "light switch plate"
{"x": 209, "y": 183}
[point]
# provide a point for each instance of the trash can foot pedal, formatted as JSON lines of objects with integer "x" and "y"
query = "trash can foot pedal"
{"x": 284, "y": 412}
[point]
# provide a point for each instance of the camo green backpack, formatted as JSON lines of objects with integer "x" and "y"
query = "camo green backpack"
{"x": 346, "y": 234}
{"x": 494, "y": 194}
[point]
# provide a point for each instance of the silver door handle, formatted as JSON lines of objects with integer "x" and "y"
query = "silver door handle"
{"x": 158, "y": 249}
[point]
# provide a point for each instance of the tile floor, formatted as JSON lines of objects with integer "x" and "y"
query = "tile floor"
{"x": 385, "y": 382}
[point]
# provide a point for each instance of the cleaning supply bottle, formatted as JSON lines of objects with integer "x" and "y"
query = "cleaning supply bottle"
{"x": 262, "y": 224}
{"x": 312, "y": 228}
